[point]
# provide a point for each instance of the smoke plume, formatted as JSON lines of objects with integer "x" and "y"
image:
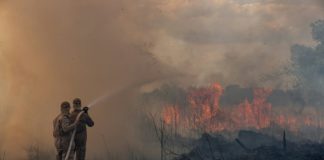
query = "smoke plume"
{"x": 56, "y": 50}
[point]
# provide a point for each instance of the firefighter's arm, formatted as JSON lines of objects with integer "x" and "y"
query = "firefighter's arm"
{"x": 66, "y": 126}
{"x": 87, "y": 120}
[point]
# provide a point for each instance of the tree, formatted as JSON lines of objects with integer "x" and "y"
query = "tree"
{"x": 308, "y": 66}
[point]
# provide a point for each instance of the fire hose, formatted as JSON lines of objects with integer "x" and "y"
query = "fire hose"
{"x": 72, "y": 137}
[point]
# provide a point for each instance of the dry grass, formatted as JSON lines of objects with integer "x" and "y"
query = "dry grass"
{"x": 34, "y": 152}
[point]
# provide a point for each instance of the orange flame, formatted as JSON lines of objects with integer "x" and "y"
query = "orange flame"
{"x": 204, "y": 112}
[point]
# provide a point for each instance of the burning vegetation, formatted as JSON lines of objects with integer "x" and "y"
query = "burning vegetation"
{"x": 216, "y": 109}
{"x": 235, "y": 123}
{"x": 203, "y": 111}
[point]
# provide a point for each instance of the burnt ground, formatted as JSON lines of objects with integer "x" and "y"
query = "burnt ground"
{"x": 250, "y": 145}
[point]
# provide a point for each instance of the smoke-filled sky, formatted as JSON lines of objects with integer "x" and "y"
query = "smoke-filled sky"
{"x": 55, "y": 50}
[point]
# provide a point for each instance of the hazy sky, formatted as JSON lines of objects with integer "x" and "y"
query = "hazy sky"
{"x": 55, "y": 50}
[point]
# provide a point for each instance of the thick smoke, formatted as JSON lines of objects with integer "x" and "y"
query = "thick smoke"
{"x": 56, "y": 50}
{"x": 233, "y": 41}
{"x": 308, "y": 65}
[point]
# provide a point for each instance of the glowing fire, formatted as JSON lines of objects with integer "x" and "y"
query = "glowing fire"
{"x": 205, "y": 113}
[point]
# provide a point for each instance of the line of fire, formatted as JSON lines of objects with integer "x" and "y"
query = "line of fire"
{"x": 204, "y": 112}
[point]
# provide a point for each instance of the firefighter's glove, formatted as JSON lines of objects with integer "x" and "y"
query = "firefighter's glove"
{"x": 85, "y": 109}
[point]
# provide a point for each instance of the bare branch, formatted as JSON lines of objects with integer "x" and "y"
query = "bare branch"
{"x": 155, "y": 126}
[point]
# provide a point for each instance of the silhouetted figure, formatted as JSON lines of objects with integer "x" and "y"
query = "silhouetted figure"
{"x": 81, "y": 129}
{"x": 63, "y": 129}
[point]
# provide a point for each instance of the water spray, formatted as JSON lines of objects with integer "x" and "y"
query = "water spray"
{"x": 98, "y": 100}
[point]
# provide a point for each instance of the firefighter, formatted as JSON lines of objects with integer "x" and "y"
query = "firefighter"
{"x": 81, "y": 129}
{"x": 63, "y": 129}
